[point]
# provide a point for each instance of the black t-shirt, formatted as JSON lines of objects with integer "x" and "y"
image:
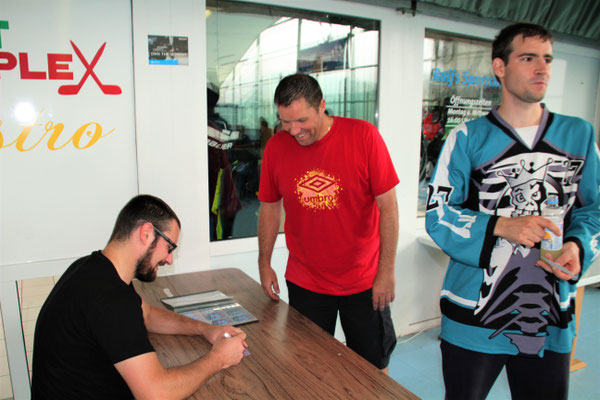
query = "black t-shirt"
{"x": 90, "y": 321}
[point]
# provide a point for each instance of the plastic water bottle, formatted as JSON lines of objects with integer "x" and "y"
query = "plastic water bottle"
{"x": 551, "y": 243}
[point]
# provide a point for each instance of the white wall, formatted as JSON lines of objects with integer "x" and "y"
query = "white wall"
{"x": 171, "y": 121}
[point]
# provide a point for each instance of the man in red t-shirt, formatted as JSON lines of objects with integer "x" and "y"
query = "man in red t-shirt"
{"x": 336, "y": 181}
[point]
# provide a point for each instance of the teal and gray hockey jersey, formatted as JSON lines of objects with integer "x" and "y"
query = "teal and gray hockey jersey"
{"x": 494, "y": 299}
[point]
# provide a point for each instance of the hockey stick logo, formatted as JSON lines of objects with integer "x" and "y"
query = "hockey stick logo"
{"x": 74, "y": 89}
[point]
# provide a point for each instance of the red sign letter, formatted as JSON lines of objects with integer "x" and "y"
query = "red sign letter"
{"x": 25, "y": 72}
{"x": 11, "y": 61}
{"x": 55, "y": 66}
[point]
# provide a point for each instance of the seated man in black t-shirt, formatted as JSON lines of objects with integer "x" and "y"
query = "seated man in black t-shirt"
{"x": 91, "y": 338}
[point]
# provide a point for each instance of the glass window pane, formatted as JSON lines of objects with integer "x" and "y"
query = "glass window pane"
{"x": 458, "y": 86}
{"x": 315, "y": 33}
{"x": 280, "y": 37}
{"x": 245, "y": 65}
{"x": 364, "y": 53}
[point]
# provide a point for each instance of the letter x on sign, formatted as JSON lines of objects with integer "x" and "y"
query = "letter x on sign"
{"x": 74, "y": 89}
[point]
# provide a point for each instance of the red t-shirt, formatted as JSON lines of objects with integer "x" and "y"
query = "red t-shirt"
{"x": 328, "y": 191}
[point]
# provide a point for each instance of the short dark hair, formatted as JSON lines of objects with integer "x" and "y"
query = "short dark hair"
{"x": 502, "y": 45}
{"x": 298, "y": 86}
{"x": 143, "y": 208}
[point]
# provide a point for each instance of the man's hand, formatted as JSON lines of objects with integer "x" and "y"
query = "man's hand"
{"x": 229, "y": 350}
{"x": 214, "y": 332}
{"x": 268, "y": 281}
{"x": 384, "y": 287}
{"x": 568, "y": 259}
{"x": 526, "y": 231}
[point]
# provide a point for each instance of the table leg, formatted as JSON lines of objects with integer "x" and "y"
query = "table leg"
{"x": 15, "y": 343}
{"x": 577, "y": 364}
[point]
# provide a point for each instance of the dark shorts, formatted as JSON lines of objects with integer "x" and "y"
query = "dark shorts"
{"x": 469, "y": 375}
{"x": 368, "y": 332}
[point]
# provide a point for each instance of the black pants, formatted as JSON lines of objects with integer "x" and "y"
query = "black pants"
{"x": 368, "y": 332}
{"x": 469, "y": 375}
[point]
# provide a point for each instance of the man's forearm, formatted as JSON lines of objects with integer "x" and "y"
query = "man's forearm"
{"x": 166, "y": 322}
{"x": 268, "y": 229}
{"x": 148, "y": 379}
{"x": 388, "y": 234}
{"x": 185, "y": 380}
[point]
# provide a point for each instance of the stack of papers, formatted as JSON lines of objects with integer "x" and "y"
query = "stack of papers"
{"x": 213, "y": 307}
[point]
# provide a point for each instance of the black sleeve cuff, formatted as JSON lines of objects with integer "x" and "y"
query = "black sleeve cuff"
{"x": 488, "y": 243}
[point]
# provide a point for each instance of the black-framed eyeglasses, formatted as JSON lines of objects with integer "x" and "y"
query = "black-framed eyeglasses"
{"x": 172, "y": 245}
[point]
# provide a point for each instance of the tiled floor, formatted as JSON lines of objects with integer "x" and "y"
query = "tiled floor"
{"x": 32, "y": 294}
{"x": 416, "y": 364}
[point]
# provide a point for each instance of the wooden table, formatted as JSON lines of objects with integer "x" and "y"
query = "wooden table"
{"x": 291, "y": 357}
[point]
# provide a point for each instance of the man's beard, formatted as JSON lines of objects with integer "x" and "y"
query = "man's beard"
{"x": 144, "y": 271}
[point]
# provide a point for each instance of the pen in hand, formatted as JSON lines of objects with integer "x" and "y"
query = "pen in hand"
{"x": 246, "y": 352}
{"x": 559, "y": 267}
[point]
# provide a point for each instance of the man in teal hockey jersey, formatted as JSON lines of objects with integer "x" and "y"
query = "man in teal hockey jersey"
{"x": 502, "y": 306}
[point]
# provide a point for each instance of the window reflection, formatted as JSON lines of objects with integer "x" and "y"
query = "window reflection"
{"x": 458, "y": 86}
{"x": 250, "y": 48}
